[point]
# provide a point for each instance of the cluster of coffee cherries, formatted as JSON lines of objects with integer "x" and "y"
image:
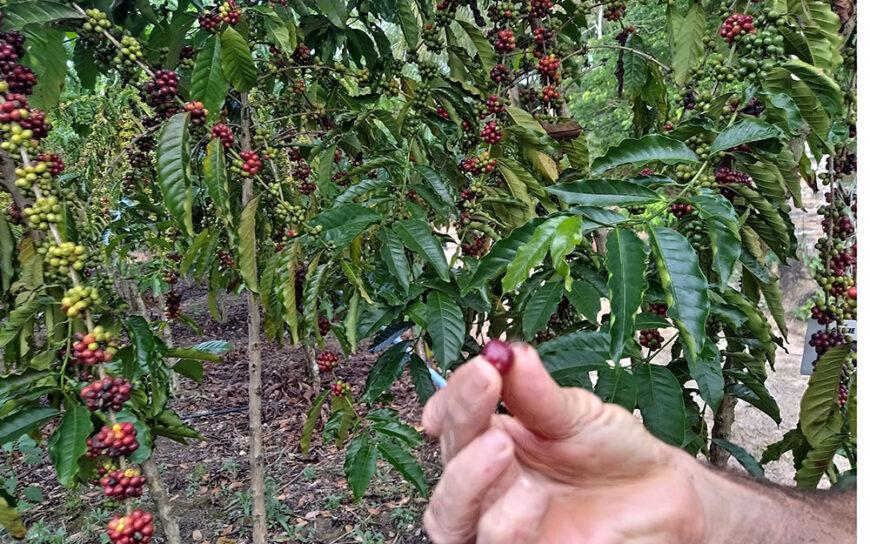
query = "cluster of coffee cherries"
{"x": 323, "y": 325}
{"x": 78, "y": 298}
{"x": 248, "y": 164}
{"x": 327, "y": 360}
{"x": 135, "y": 528}
{"x": 681, "y": 209}
{"x": 736, "y": 26}
{"x": 340, "y": 388}
{"x": 479, "y": 165}
{"x": 503, "y": 39}
{"x": 106, "y": 394}
{"x": 491, "y": 132}
{"x": 223, "y": 133}
{"x": 657, "y": 308}
{"x": 45, "y": 211}
{"x": 197, "y": 113}
{"x": 477, "y": 246}
{"x": 113, "y": 440}
{"x": 564, "y": 318}
{"x": 823, "y": 341}
{"x": 161, "y": 92}
{"x": 123, "y": 483}
{"x": 614, "y": 9}
{"x": 62, "y": 258}
{"x": 172, "y": 308}
{"x": 726, "y": 176}
{"x": 38, "y": 173}
{"x": 651, "y": 338}
{"x": 96, "y": 347}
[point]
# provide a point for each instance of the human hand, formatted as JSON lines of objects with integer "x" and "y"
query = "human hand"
{"x": 564, "y": 467}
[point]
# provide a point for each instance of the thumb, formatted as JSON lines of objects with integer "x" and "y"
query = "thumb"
{"x": 539, "y": 403}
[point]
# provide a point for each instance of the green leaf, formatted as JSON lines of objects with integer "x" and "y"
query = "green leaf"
{"x": 402, "y": 460}
{"x": 445, "y": 326}
{"x": 47, "y": 56}
{"x": 359, "y": 189}
{"x": 585, "y": 298}
{"x": 173, "y": 156}
{"x": 540, "y": 306}
{"x": 342, "y": 224}
{"x": 820, "y": 415}
{"x": 604, "y": 193}
{"x": 780, "y": 80}
{"x": 18, "y": 15}
{"x": 248, "y": 244}
{"x": 208, "y": 84}
{"x": 706, "y": 370}
{"x": 652, "y": 147}
{"x": 360, "y": 463}
{"x": 68, "y": 443}
{"x": 25, "y": 420}
{"x": 723, "y": 228}
{"x": 501, "y": 254}
{"x": 791, "y": 440}
{"x": 484, "y": 48}
{"x": 577, "y": 152}
{"x": 618, "y": 386}
{"x": 745, "y": 131}
{"x": 684, "y": 284}
{"x": 420, "y": 376}
{"x": 781, "y": 243}
{"x": 824, "y": 86}
{"x": 575, "y": 352}
{"x": 408, "y": 23}
{"x": 417, "y": 236}
{"x": 17, "y": 319}
{"x": 442, "y": 189}
{"x": 660, "y": 400}
{"x": 686, "y": 42}
{"x": 10, "y": 518}
{"x": 525, "y": 119}
{"x": 817, "y": 461}
{"x": 385, "y": 371}
{"x": 743, "y": 457}
{"x": 531, "y": 253}
{"x": 335, "y": 11}
{"x": 7, "y": 252}
{"x": 755, "y": 394}
{"x": 214, "y": 170}
{"x": 566, "y": 237}
{"x": 236, "y": 60}
{"x": 626, "y": 265}
{"x": 311, "y": 419}
{"x": 772, "y": 292}
{"x": 189, "y": 368}
{"x": 636, "y": 70}
{"x": 393, "y": 255}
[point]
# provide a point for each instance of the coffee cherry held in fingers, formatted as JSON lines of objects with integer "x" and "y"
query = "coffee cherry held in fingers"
{"x": 499, "y": 354}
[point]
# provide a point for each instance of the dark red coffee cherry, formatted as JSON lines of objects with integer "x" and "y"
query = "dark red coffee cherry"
{"x": 499, "y": 354}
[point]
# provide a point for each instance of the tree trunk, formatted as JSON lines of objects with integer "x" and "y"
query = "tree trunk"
{"x": 311, "y": 366}
{"x": 722, "y": 423}
{"x": 161, "y": 500}
{"x": 255, "y": 373}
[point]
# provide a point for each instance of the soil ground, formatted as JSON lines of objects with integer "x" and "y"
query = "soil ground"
{"x": 309, "y": 500}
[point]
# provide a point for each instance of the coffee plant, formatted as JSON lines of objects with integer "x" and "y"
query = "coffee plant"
{"x": 410, "y": 174}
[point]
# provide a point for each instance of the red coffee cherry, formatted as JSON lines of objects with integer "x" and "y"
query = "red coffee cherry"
{"x": 106, "y": 394}
{"x": 341, "y": 388}
{"x": 123, "y": 484}
{"x": 137, "y": 528}
{"x": 224, "y": 134}
{"x": 113, "y": 441}
{"x": 499, "y": 354}
{"x": 327, "y": 360}
{"x": 651, "y": 338}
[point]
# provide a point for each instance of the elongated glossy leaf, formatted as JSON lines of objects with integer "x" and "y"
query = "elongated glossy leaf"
{"x": 635, "y": 69}
{"x": 773, "y": 297}
{"x": 743, "y": 457}
{"x": 586, "y": 299}
{"x": 402, "y": 460}
{"x": 791, "y": 440}
{"x": 236, "y": 60}
{"x": 408, "y": 23}
{"x": 417, "y": 236}
{"x": 47, "y": 56}
{"x": 626, "y": 265}
{"x": 360, "y": 463}
{"x": 780, "y": 81}
{"x": 516, "y": 179}
{"x": 173, "y": 156}
{"x": 781, "y": 243}
{"x": 540, "y": 306}
{"x": 566, "y": 237}
{"x": 311, "y": 422}
{"x": 385, "y": 371}
{"x": 393, "y": 255}
{"x": 706, "y": 370}
{"x": 214, "y": 171}
{"x": 420, "y": 376}
{"x": 22, "y": 422}
{"x": 723, "y": 229}
{"x": 441, "y": 188}
{"x": 335, "y": 11}
{"x": 18, "y": 15}
{"x": 823, "y": 85}
{"x": 684, "y": 284}
{"x": 7, "y": 252}
{"x": 852, "y": 409}
{"x": 820, "y": 415}
{"x": 652, "y": 147}
{"x": 68, "y": 443}
{"x": 208, "y": 84}
{"x": 360, "y": 189}
{"x": 501, "y": 254}
{"x": 446, "y": 327}
{"x": 687, "y": 40}
{"x": 757, "y": 396}
{"x": 531, "y": 253}
{"x": 816, "y": 463}
{"x": 617, "y": 385}
{"x": 746, "y": 131}
{"x": 660, "y": 399}
{"x": 604, "y": 193}
{"x": 575, "y": 352}
{"x": 524, "y": 119}
{"x": 17, "y": 318}
{"x": 484, "y": 48}
{"x": 343, "y": 223}
{"x": 248, "y": 244}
